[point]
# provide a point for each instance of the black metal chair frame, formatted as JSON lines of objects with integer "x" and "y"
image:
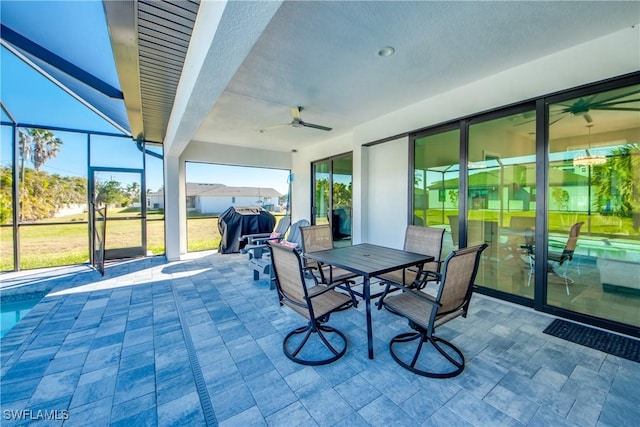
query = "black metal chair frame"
{"x": 426, "y": 333}
{"x": 559, "y": 258}
{"x": 320, "y": 237}
{"x": 328, "y": 301}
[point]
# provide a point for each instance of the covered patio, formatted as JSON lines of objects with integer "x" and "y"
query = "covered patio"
{"x": 198, "y": 342}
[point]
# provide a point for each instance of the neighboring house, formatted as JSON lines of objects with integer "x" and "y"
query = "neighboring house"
{"x": 216, "y": 198}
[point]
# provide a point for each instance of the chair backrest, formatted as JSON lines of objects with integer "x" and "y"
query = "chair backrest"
{"x": 287, "y": 269}
{"x": 522, "y": 223}
{"x": 427, "y": 241}
{"x": 283, "y": 225}
{"x": 453, "y": 222}
{"x": 572, "y": 241}
{"x": 316, "y": 238}
{"x": 294, "y": 235}
{"x": 459, "y": 274}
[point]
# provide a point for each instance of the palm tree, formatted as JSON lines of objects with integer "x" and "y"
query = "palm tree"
{"x": 617, "y": 182}
{"x": 37, "y": 145}
{"x": 45, "y": 146}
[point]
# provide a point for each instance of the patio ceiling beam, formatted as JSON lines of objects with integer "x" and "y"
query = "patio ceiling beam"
{"x": 223, "y": 36}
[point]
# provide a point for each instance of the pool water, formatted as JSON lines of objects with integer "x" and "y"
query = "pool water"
{"x": 14, "y": 308}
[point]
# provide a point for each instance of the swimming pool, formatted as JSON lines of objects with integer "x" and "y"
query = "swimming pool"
{"x": 15, "y": 307}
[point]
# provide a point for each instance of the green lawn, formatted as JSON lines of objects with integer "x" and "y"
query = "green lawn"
{"x": 57, "y": 244}
{"x": 601, "y": 225}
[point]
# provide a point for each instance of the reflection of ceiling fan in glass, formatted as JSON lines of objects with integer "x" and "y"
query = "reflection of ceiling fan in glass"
{"x": 603, "y": 101}
{"x": 606, "y": 101}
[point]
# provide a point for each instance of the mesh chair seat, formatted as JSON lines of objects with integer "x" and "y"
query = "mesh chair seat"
{"x": 425, "y": 313}
{"x": 315, "y": 343}
{"x": 336, "y": 274}
{"x": 422, "y": 240}
{"x": 319, "y": 238}
{"x": 323, "y": 304}
{"x": 404, "y": 277}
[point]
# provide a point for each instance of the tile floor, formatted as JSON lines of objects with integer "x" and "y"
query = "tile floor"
{"x": 198, "y": 342}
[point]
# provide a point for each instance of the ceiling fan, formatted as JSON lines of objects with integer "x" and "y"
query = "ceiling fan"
{"x": 296, "y": 122}
{"x": 583, "y": 106}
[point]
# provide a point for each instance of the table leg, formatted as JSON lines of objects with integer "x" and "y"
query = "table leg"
{"x": 367, "y": 303}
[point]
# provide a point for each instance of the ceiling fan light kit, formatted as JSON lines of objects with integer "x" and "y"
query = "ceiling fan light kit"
{"x": 589, "y": 159}
{"x": 297, "y": 122}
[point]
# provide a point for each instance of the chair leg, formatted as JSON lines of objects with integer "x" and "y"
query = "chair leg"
{"x": 437, "y": 343}
{"x": 562, "y": 276}
{"x": 308, "y": 331}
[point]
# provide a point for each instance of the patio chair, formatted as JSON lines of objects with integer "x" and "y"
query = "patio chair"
{"x": 256, "y": 242}
{"x": 555, "y": 260}
{"x": 512, "y": 248}
{"x": 422, "y": 240}
{"x": 315, "y": 343}
{"x": 319, "y": 238}
{"x": 260, "y": 259}
{"x": 426, "y": 313}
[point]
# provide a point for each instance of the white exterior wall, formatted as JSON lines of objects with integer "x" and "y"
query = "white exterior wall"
{"x": 176, "y": 212}
{"x": 387, "y": 212}
{"x": 216, "y": 205}
{"x": 610, "y": 56}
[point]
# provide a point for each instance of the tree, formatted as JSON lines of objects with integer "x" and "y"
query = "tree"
{"x": 38, "y": 145}
{"x": 561, "y": 196}
{"x": 616, "y": 183}
{"x": 109, "y": 193}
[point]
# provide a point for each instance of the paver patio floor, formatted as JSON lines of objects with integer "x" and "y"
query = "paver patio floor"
{"x": 198, "y": 341}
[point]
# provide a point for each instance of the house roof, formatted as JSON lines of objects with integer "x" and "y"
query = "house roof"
{"x": 221, "y": 190}
{"x": 488, "y": 179}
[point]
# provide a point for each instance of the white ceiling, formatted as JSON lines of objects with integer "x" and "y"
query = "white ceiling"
{"x": 323, "y": 56}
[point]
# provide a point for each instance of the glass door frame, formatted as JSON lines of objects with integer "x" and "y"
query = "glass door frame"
{"x": 542, "y": 198}
{"x": 542, "y": 104}
{"x": 330, "y": 161}
{"x": 91, "y": 202}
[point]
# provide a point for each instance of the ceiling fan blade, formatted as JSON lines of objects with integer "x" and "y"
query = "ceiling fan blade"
{"x": 311, "y": 125}
{"x": 525, "y": 122}
{"x": 295, "y": 112}
{"x": 268, "y": 128}
{"x": 614, "y": 102}
{"x": 617, "y": 109}
{"x": 557, "y": 120}
{"x": 604, "y": 101}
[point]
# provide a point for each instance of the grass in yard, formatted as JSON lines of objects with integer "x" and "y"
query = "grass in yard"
{"x": 54, "y": 244}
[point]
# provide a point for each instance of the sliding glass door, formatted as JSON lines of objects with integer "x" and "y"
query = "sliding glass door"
{"x": 436, "y": 190}
{"x": 553, "y": 189}
{"x": 501, "y": 200}
{"x": 332, "y": 196}
{"x": 594, "y": 205}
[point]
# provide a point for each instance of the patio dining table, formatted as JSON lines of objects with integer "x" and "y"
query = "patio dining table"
{"x": 368, "y": 260}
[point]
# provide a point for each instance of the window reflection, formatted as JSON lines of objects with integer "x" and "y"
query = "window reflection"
{"x": 502, "y": 200}
{"x": 594, "y": 172}
{"x": 436, "y": 193}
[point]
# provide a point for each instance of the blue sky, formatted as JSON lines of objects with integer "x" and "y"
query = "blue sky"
{"x": 32, "y": 99}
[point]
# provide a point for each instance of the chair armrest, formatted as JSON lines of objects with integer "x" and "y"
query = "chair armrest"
{"x": 264, "y": 240}
{"x": 322, "y": 289}
{"x": 414, "y": 292}
{"x": 423, "y": 278}
{"x": 421, "y": 295}
{"x": 253, "y": 236}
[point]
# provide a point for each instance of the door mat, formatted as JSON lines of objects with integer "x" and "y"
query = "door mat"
{"x": 627, "y": 348}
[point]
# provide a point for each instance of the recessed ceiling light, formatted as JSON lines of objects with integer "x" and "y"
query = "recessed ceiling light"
{"x": 386, "y": 51}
